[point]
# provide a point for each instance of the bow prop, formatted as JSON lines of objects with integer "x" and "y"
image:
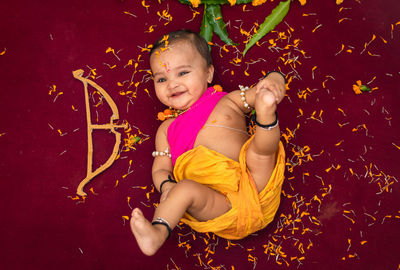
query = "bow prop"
{"x": 90, "y": 127}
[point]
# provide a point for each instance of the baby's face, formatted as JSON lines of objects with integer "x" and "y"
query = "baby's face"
{"x": 180, "y": 74}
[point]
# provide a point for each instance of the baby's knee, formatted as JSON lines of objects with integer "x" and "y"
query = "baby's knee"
{"x": 187, "y": 187}
{"x": 186, "y": 184}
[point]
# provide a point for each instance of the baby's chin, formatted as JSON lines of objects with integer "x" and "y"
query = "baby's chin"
{"x": 181, "y": 106}
{"x": 177, "y": 107}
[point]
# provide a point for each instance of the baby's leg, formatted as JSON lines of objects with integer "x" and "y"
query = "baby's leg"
{"x": 261, "y": 154}
{"x": 200, "y": 201}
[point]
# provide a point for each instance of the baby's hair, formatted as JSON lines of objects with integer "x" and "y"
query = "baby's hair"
{"x": 196, "y": 39}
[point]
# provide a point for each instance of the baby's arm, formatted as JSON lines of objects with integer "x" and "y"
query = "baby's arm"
{"x": 162, "y": 165}
{"x": 264, "y": 97}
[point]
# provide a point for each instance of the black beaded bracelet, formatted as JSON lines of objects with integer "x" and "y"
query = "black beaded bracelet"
{"x": 269, "y": 126}
{"x": 166, "y": 181}
{"x": 163, "y": 222}
{"x": 276, "y": 71}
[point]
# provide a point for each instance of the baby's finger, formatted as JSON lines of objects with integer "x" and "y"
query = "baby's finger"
{"x": 261, "y": 90}
{"x": 262, "y": 87}
{"x": 278, "y": 92}
{"x": 275, "y": 91}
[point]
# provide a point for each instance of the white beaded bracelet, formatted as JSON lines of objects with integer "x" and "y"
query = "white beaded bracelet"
{"x": 243, "y": 96}
{"x": 164, "y": 153}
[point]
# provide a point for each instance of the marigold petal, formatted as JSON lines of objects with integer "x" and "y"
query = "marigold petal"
{"x": 161, "y": 116}
{"x": 217, "y": 88}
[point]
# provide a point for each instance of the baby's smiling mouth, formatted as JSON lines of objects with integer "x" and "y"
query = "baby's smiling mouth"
{"x": 177, "y": 94}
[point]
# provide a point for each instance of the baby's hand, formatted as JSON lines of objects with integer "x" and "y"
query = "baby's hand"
{"x": 275, "y": 84}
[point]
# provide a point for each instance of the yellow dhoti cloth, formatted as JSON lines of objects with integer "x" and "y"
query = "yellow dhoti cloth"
{"x": 251, "y": 211}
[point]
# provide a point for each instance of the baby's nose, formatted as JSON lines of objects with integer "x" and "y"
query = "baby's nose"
{"x": 172, "y": 84}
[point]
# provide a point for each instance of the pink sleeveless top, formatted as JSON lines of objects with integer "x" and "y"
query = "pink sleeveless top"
{"x": 183, "y": 130}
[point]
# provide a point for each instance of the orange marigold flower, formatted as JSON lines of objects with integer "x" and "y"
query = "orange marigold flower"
{"x": 258, "y": 2}
{"x": 161, "y": 116}
{"x": 195, "y": 3}
{"x": 168, "y": 112}
{"x": 357, "y": 87}
{"x": 217, "y": 88}
{"x": 303, "y": 2}
{"x": 232, "y": 2}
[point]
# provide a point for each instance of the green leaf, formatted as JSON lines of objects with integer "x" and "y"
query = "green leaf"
{"x": 207, "y": 28}
{"x": 269, "y": 23}
{"x": 214, "y": 17}
{"x": 365, "y": 88}
{"x": 187, "y": 2}
{"x": 216, "y": 2}
{"x": 243, "y": 1}
{"x": 222, "y": 2}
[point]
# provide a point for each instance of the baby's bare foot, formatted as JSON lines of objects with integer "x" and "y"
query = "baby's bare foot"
{"x": 265, "y": 101}
{"x": 149, "y": 237}
{"x": 265, "y": 106}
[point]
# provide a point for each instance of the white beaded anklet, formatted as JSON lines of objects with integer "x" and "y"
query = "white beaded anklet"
{"x": 164, "y": 153}
{"x": 243, "y": 96}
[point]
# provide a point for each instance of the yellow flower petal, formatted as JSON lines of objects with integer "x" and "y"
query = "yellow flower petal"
{"x": 303, "y": 2}
{"x": 258, "y": 2}
{"x": 195, "y": 3}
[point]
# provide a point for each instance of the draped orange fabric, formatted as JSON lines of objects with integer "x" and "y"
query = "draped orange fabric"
{"x": 251, "y": 211}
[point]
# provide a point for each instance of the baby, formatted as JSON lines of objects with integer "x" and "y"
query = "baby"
{"x": 211, "y": 174}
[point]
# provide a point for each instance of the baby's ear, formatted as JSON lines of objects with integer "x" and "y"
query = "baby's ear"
{"x": 210, "y": 73}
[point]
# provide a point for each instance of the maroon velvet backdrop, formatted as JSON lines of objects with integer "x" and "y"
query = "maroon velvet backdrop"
{"x": 340, "y": 207}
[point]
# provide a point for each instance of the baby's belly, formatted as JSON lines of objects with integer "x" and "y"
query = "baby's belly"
{"x": 225, "y": 130}
{"x": 225, "y": 141}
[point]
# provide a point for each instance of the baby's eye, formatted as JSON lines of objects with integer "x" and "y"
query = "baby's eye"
{"x": 183, "y": 73}
{"x": 161, "y": 80}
